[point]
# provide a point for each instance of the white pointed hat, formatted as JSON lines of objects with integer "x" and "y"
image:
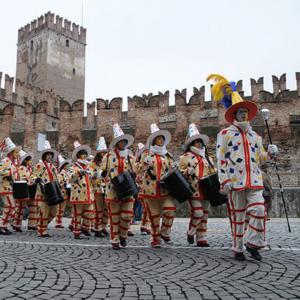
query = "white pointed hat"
{"x": 194, "y": 134}
{"x": 47, "y": 148}
{"x": 118, "y": 135}
{"x": 101, "y": 147}
{"x": 141, "y": 149}
{"x": 61, "y": 162}
{"x": 155, "y": 132}
{"x": 77, "y": 147}
{"x": 10, "y": 146}
{"x": 23, "y": 155}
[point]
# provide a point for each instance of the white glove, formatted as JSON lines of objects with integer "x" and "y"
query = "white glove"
{"x": 175, "y": 164}
{"x": 272, "y": 149}
{"x": 227, "y": 187}
{"x": 148, "y": 160}
{"x": 191, "y": 171}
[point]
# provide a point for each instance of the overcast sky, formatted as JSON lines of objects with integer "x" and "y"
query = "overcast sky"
{"x": 137, "y": 47}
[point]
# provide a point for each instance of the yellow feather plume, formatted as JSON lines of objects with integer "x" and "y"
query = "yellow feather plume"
{"x": 221, "y": 86}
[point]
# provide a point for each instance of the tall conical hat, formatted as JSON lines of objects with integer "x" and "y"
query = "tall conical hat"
{"x": 141, "y": 149}
{"x": 10, "y": 146}
{"x": 231, "y": 99}
{"x": 194, "y": 134}
{"x": 77, "y": 147}
{"x": 118, "y": 135}
{"x": 62, "y": 162}
{"x": 47, "y": 148}
{"x": 101, "y": 147}
{"x": 155, "y": 132}
{"x": 23, "y": 155}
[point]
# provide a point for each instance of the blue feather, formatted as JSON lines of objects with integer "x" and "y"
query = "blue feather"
{"x": 232, "y": 84}
{"x": 226, "y": 101}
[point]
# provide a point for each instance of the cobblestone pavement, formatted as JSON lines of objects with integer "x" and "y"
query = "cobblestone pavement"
{"x": 63, "y": 268}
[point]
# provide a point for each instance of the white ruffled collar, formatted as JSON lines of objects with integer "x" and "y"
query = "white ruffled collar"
{"x": 158, "y": 150}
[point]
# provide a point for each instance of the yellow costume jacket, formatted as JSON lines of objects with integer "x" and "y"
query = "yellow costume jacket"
{"x": 48, "y": 173}
{"x": 99, "y": 182}
{"x": 160, "y": 165}
{"x": 116, "y": 165}
{"x": 63, "y": 180}
{"x": 189, "y": 160}
{"x": 7, "y": 177}
{"x": 82, "y": 186}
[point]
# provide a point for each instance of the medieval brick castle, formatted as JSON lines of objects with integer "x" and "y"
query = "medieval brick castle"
{"x": 49, "y": 91}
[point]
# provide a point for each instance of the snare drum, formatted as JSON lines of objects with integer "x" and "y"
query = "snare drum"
{"x": 32, "y": 190}
{"x": 20, "y": 190}
{"x": 211, "y": 187}
{"x": 125, "y": 185}
{"x": 178, "y": 186}
{"x": 53, "y": 193}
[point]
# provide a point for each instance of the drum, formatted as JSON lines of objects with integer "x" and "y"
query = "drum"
{"x": 20, "y": 190}
{"x": 178, "y": 186}
{"x": 125, "y": 185}
{"x": 53, "y": 193}
{"x": 211, "y": 187}
{"x": 32, "y": 190}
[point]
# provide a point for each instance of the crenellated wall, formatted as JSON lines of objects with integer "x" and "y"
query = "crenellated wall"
{"x": 61, "y": 25}
{"x": 29, "y": 109}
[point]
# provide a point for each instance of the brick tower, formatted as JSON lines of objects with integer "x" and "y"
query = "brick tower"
{"x": 52, "y": 57}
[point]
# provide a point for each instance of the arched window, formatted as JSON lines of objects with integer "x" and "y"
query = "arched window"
{"x": 67, "y": 43}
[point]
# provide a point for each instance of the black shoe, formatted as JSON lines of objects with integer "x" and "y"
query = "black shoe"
{"x": 190, "y": 239}
{"x": 86, "y": 233}
{"x": 130, "y": 234}
{"x": 5, "y": 232}
{"x": 203, "y": 245}
{"x": 18, "y": 229}
{"x": 105, "y": 233}
{"x": 239, "y": 256}
{"x": 254, "y": 253}
{"x": 59, "y": 226}
{"x": 45, "y": 235}
{"x": 77, "y": 237}
{"x": 143, "y": 231}
{"x": 123, "y": 242}
{"x": 98, "y": 234}
{"x": 32, "y": 228}
{"x": 116, "y": 247}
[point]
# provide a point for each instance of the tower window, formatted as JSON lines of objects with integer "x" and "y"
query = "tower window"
{"x": 67, "y": 43}
{"x": 31, "y": 45}
{"x": 74, "y": 71}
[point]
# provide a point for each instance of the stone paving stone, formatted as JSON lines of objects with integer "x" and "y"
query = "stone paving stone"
{"x": 90, "y": 269}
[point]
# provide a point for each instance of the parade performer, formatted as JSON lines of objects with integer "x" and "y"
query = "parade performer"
{"x": 145, "y": 221}
{"x": 25, "y": 171}
{"x": 100, "y": 206}
{"x": 194, "y": 165}
{"x": 117, "y": 162}
{"x": 156, "y": 163}
{"x": 63, "y": 180}
{"x": 239, "y": 154}
{"x": 43, "y": 173}
{"x": 82, "y": 181}
{"x": 9, "y": 173}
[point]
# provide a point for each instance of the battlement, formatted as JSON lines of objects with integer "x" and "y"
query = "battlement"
{"x": 61, "y": 25}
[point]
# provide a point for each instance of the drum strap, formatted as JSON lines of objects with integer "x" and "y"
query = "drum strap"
{"x": 208, "y": 160}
